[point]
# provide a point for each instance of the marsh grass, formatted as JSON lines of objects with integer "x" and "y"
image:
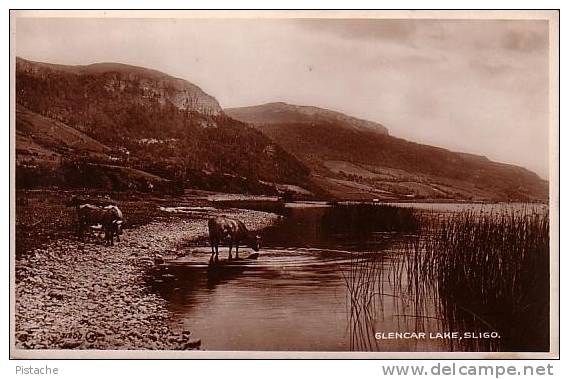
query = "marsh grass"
{"x": 368, "y": 275}
{"x": 491, "y": 273}
{"x": 364, "y": 283}
{"x": 487, "y": 271}
{"x": 468, "y": 272}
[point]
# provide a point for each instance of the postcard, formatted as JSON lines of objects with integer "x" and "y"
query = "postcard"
{"x": 289, "y": 184}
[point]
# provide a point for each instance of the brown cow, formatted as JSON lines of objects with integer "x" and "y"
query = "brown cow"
{"x": 232, "y": 232}
{"x": 109, "y": 217}
{"x": 118, "y": 223}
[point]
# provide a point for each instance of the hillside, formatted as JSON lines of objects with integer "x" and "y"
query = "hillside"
{"x": 73, "y": 119}
{"x": 354, "y": 162}
{"x": 116, "y": 126}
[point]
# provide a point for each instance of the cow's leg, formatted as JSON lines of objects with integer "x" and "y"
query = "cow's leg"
{"x": 108, "y": 236}
{"x": 212, "y": 249}
{"x": 237, "y": 250}
{"x": 230, "y": 247}
{"x": 79, "y": 222}
{"x": 84, "y": 230}
{"x": 110, "y": 233}
{"x": 80, "y": 230}
{"x": 217, "y": 252}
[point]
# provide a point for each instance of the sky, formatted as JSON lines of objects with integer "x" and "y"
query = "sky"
{"x": 477, "y": 86}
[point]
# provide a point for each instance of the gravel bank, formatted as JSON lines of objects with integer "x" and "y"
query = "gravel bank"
{"x": 84, "y": 295}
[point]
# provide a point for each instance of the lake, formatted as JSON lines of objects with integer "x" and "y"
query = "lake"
{"x": 301, "y": 294}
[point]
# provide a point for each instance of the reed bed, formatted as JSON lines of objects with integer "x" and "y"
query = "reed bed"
{"x": 368, "y": 273}
{"x": 364, "y": 298}
{"x": 469, "y": 271}
{"x": 487, "y": 271}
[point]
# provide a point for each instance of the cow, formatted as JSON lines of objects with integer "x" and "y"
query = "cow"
{"x": 230, "y": 231}
{"x": 118, "y": 222}
{"x": 109, "y": 217}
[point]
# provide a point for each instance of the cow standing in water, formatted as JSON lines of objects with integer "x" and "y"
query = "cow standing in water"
{"x": 224, "y": 229}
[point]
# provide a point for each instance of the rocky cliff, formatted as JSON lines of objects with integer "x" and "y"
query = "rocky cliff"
{"x": 124, "y": 80}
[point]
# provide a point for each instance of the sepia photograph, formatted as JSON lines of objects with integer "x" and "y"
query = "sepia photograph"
{"x": 284, "y": 184}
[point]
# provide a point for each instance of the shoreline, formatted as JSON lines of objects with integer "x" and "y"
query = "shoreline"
{"x": 72, "y": 294}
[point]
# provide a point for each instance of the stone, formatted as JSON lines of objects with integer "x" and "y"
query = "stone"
{"x": 54, "y": 294}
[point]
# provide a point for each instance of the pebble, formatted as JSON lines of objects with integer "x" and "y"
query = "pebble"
{"x": 83, "y": 295}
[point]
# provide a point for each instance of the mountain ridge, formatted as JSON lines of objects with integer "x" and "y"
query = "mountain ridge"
{"x": 277, "y": 112}
{"x": 145, "y": 126}
{"x": 355, "y": 163}
{"x": 149, "y": 122}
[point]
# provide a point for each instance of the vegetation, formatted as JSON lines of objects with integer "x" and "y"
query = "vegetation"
{"x": 479, "y": 272}
{"x": 364, "y": 218}
{"x": 491, "y": 273}
{"x": 394, "y": 167}
{"x": 143, "y": 132}
{"x": 364, "y": 283}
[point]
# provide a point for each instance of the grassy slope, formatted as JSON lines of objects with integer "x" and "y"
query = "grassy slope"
{"x": 73, "y": 112}
{"x": 353, "y": 163}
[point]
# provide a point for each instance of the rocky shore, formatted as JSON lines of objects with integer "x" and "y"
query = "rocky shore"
{"x": 74, "y": 294}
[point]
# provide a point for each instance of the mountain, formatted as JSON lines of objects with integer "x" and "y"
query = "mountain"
{"x": 358, "y": 159}
{"x": 120, "y": 79}
{"x": 278, "y": 113}
{"x": 116, "y": 126}
{"x": 137, "y": 128}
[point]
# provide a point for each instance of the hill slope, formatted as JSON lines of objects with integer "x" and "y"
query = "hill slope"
{"x": 357, "y": 163}
{"x": 117, "y": 115}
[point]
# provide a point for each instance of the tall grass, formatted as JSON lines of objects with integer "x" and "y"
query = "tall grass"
{"x": 367, "y": 273}
{"x": 488, "y": 272}
{"x": 364, "y": 283}
{"x": 466, "y": 272}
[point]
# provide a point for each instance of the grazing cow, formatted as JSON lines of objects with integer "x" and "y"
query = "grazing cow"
{"x": 233, "y": 232}
{"x": 119, "y": 220}
{"x": 109, "y": 217}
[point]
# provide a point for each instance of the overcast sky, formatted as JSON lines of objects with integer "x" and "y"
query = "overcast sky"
{"x": 478, "y": 86}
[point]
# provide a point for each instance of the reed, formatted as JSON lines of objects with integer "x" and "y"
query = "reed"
{"x": 364, "y": 283}
{"x": 485, "y": 271}
{"x": 488, "y": 271}
{"x": 368, "y": 273}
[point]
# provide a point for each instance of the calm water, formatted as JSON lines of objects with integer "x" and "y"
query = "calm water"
{"x": 296, "y": 295}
